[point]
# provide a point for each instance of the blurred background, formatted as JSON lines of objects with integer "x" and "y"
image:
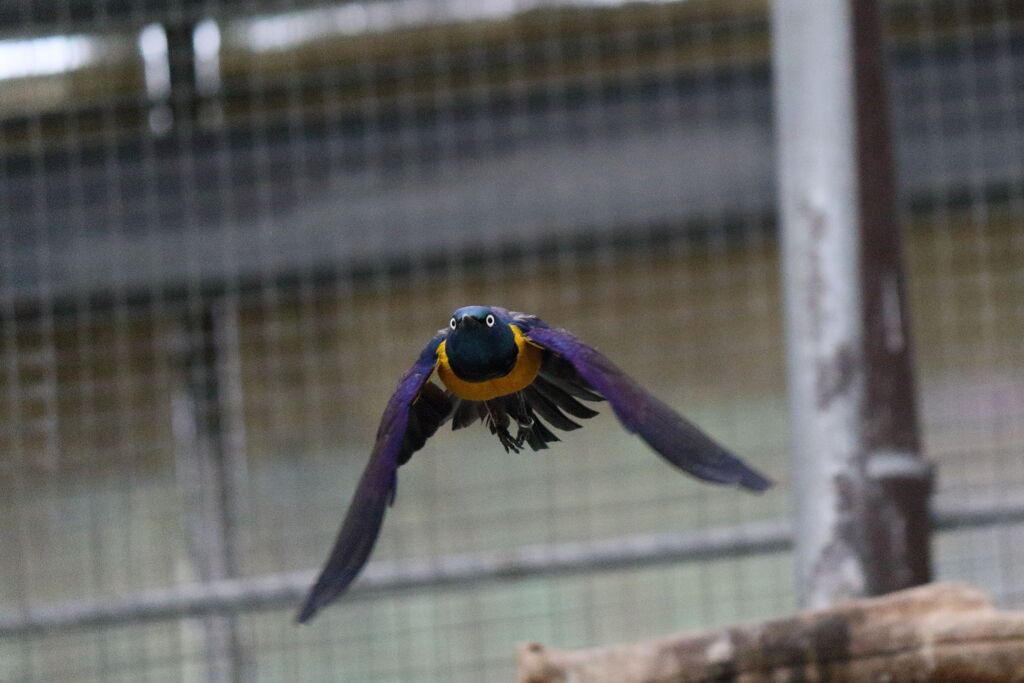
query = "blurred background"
{"x": 228, "y": 226}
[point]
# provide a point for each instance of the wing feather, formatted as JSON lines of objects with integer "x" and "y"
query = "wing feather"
{"x": 412, "y": 415}
{"x": 670, "y": 434}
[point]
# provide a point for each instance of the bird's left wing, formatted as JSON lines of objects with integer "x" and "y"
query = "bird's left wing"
{"x": 674, "y": 437}
{"x": 413, "y": 414}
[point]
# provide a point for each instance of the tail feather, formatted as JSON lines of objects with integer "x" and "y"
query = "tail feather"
{"x": 548, "y": 410}
{"x": 465, "y": 414}
{"x": 561, "y": 398}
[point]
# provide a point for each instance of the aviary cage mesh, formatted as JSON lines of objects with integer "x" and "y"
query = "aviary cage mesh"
{"x": 227, "y": 227}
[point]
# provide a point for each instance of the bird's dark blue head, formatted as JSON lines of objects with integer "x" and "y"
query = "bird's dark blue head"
{"x": 480, "y": 344}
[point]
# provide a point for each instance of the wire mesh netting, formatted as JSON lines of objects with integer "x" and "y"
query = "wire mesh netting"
{"x": 960, "y": 114}
{"x": 228, "y": 227}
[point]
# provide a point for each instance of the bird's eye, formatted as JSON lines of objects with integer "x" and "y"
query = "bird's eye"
{"x": 451, "y": 323}
{"x": 489, "y": 320}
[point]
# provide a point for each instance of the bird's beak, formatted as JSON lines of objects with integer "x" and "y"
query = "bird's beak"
{"x": 468, "y": 322}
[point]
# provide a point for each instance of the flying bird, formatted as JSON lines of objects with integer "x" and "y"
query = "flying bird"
{"x": 512, "y": 372}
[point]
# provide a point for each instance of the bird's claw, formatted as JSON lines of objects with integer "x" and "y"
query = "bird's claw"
{"x": 514, "y": 444}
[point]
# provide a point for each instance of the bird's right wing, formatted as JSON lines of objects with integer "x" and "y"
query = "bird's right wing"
{"x": 413, "y": 414}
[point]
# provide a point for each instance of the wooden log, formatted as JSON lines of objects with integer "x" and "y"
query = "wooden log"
{"x": 938, "y": 632}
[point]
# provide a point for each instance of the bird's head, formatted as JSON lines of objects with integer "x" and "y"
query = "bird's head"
{"x": 480, "y": 344}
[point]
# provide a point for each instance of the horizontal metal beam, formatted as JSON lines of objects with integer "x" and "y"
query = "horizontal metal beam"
{"x": 969, "y": 514}
{"x": 283, "y": 591}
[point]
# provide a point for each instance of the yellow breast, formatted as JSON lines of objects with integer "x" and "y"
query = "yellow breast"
{"x": 525, "y": 371}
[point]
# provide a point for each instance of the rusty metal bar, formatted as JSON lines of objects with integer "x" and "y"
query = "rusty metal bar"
{"x": 899, "y": 479}
{"x": 861, "y": 487}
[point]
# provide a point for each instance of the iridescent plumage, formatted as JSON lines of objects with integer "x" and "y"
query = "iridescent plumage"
{"x": 507, "y": 369}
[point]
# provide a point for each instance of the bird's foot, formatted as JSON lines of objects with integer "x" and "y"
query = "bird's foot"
{"x": 525, "y": 426}
{"x": 508, "y": 442}
{"x": 522, "y": 435}
{"x": 500, "y": 429}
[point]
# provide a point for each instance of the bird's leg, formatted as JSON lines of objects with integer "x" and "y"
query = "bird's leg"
{"x": 524, "y": 421}
{"x": 525, "y": 426}
{"x": 501, "y": 431}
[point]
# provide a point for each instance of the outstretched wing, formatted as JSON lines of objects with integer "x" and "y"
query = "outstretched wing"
{"x": 413, "y": 414}
{"x": 670, "y": 434}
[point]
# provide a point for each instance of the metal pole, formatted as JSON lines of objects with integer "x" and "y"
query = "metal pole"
{"x": 854, "y": 529}
{"x": 210, "y": 464}
{"x": 898, "y": 525}
{"x": 821, "y": 273}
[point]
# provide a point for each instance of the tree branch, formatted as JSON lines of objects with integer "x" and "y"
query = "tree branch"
{"x": 945, "y": 631}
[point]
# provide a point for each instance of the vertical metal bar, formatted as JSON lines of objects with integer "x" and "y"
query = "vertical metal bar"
{"x": 231, "y": 435}
{"x": 181, "y": 62}
{"x": 210, "y": 463}
{"x": 814, "y": 120}
{"x": 898, "y": 523}
{"x": 839, "y": 298}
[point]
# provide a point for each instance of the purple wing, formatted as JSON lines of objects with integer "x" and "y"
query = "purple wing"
{"x": 413, "y": 414}
{"x": 670, "y": 434}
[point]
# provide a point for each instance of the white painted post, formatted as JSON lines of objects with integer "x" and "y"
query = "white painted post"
{"x": 816, "y": 137}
